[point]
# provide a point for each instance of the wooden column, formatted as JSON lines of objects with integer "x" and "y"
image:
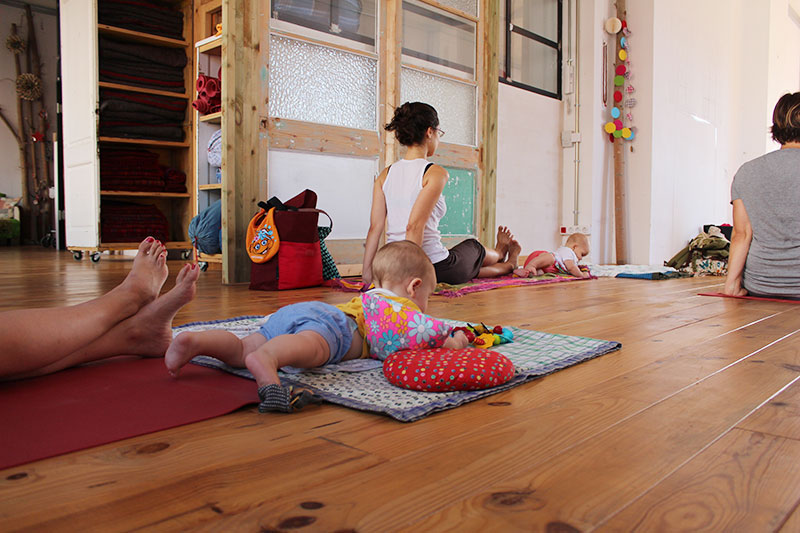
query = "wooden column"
{"x": 391, "y": 44}
{"x": 244, "y": 82}
{"x": 620, "y": 231}
{"x": 487, "y": 123}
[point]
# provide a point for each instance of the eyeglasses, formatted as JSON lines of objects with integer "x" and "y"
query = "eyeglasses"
{"x": 440, "y": 132}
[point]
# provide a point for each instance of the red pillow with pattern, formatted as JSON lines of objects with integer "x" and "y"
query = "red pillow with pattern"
{"x": 443, "y": 370}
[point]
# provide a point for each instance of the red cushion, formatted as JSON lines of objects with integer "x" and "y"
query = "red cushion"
{"x": 443, "y": 370}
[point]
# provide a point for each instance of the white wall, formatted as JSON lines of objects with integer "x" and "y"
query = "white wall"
{"x": 46, "y": 36}
{"x": 783, "y": 56}
{"x": 707, "y": 75}
{"x": 529, "y": 167}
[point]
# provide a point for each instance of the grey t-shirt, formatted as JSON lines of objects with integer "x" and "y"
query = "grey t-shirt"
{"x": 769, "y": 187}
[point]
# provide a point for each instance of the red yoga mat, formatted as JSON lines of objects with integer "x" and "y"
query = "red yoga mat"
{"x": 763, "y": 298}
{"x": 92, "y": 405}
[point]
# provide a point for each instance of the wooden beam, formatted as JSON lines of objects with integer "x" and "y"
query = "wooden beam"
{"x": 391, "y": 44}
{"x": 620, "y": 233}
{"x": 244, "y": 82}
{"x": 487, "y": 119}
{"x": 285, "y": 134}
{"x": 453, "y": 155}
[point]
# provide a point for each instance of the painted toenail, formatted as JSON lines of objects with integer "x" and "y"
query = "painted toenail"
{"x": 149, "y": 239}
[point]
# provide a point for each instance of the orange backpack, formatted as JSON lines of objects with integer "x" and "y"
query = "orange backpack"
{"x": 262, "y": 236}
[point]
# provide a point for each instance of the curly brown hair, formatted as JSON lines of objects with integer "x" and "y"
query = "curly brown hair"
{"x": 786, "y": 119}
{"x": 411, "y": 121}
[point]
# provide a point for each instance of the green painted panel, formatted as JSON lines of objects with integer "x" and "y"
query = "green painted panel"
{"x": 459, "y": 193}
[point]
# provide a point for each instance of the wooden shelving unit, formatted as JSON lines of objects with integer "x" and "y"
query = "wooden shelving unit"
{"x": 207, "y": 60}
{"x": 144, "y": 90}
{"x": 211, "y": 118}
{"x": 140, "y": 37}
{"x": 84, "y": 197}
{"x": 138, "y": 194}
{"x": 146, "y": 142}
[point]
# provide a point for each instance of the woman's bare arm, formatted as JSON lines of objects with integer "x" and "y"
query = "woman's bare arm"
{"x": 377, "y": 224}
{"x": 740, "y": 245}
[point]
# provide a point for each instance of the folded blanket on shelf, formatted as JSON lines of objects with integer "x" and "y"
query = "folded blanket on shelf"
{"x": 126, "y": 130}
{"x": 139, "y": 118}
{"x": 114, "y": 104}
{"x": 147, "y": 54}
{"x": 157, "y": 117}
{"x": 174, "y": 180}
{"x": 159, "y": 103}
{"x": 125, "y": 222}
{"x": 138, "y": 170}
{"x": 138, "y": 15}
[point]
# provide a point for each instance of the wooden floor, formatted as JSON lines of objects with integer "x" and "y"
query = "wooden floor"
{"x": 693, "y": 425}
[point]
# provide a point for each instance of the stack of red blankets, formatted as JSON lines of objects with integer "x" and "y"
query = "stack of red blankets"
{"x": 209, "y": 94}
{"x": 141, "y": 116}
{"x": 142, "y": 65}
{"x": 124, "y": 222}
{"x": 124, "y": 169}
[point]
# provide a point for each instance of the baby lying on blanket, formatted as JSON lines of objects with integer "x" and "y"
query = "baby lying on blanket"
{"x": 313, "y": 334}
{"x": 562, "y": 261}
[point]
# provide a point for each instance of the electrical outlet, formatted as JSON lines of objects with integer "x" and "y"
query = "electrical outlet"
{"x": 569, "y": 230}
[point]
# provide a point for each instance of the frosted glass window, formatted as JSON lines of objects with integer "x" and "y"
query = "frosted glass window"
{"x": 320, "y": 84}
{"x": 343, "y": 186}
{"x": 536, "y": 16}
{"x": 349, "y": 19}
{"x": 438, "y": 39}
{"x": 534, "y": 63}
{"x": 467, "y": 6}
{"x": 454, "y": 102}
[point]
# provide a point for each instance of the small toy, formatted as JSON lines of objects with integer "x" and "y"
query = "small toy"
{"x": 482, "y": 336}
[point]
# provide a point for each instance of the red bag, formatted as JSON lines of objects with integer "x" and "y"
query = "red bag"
{"x": 298, "y": 262}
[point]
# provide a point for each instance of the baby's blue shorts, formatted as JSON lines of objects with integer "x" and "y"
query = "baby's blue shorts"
{"x": 330, "y": 322}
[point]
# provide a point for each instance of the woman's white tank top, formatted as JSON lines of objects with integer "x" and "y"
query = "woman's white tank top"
{"x": 401, "y": 189}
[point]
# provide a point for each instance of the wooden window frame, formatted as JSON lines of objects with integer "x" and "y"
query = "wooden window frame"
{"x": 511, "y": 28}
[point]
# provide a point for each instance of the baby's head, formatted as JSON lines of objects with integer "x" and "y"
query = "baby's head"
{"x": 579, "y": 243}
{"x": 403, "y": 268}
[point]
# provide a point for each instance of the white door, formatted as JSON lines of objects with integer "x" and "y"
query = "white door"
{"x": 79, "y": 78}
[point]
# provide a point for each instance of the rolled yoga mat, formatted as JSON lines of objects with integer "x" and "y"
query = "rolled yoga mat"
{"x": 91, "y": 405}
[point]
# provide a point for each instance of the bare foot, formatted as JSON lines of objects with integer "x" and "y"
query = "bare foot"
{"x": 149, "y": 272}
{"x": 514, "y": 250}
{"x": 523, "y": 273}
{"x": 151, "y": 328}
{"x": 263, "y": 368}
{"x": 504, "y": 239}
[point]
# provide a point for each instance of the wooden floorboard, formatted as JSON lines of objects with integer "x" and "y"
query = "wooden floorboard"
{"x": 693, "y": 425}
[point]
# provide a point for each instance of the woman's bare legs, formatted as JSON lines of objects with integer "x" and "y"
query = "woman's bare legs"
{"x": 505, "y": 267}
{"x": 36, "y": 338}
{"x": 147, "y": 333}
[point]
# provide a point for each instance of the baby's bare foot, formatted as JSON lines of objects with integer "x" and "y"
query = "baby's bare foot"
{"x": 149, "y": 272}
{"x": 504, "y": 238}
{"x": 151, "y": 327}
{"x": 523, "y": 273}
{"x": 181, "y": 350}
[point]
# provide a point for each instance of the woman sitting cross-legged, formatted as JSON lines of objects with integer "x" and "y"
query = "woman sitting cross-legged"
{"x": 765, "y": 246}
{"x": 407, "y": 202}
